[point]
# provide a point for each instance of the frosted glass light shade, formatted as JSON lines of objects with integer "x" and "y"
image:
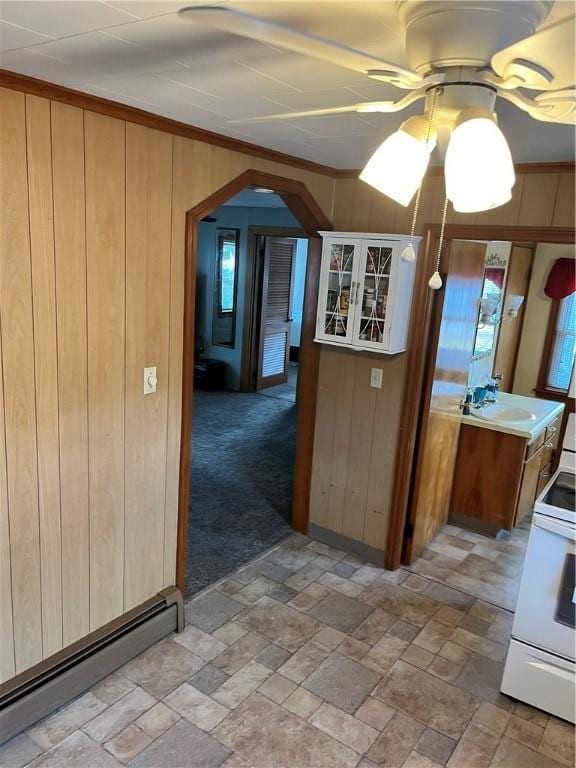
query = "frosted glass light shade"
{"x": 398, "y": 166}
{"x": 478, "y": 166}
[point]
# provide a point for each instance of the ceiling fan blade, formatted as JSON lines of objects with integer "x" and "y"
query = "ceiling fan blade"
{"x": 549, "y": 107}
{"x": 363, "y": 107}
{"x": 291, "y": 115}
{"x": 279, "y": 36}
{"x": 544, "y": 61}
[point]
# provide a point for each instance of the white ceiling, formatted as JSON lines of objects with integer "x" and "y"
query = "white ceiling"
{"x": 140, "y": 53}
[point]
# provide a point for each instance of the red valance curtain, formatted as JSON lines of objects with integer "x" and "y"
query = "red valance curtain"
{"x": 562, "y": 279}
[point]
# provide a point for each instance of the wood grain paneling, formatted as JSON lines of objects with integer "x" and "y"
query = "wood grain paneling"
{"x": 96, "y": 266}
{"x": 39, "y": 146}
{"x": 343, "y": 385}
{"x": 148, "y": 231}
{"x": 539, "y": 199}
{"x": 70, "y": 260}
{"x": 16, "y": 322}
{"x": 7, "y": 660}
{"x": 383, "y": 450}
{"x": 360, "y": 445}
{"x": 105, "y": 161}
{"x": 182, "y": 171}
{"x": 323, "y": 438}
{"x": 565, "y": 207}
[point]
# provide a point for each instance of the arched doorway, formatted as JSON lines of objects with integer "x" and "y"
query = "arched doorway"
{"x": 312, "y": 219}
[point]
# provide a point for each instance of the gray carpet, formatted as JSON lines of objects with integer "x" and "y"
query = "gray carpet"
{"x": 240, "y": 481}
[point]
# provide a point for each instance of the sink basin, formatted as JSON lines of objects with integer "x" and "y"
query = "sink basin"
{"x": 507, "y": 413}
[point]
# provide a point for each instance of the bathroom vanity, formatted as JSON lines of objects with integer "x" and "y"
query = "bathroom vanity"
{"x": 505, "y": 457}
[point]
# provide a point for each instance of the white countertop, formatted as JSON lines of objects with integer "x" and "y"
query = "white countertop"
{"x": 545, "y": 411}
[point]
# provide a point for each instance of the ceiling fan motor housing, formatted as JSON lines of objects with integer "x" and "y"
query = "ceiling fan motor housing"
{"x": 451, "y": 98}
{"x": 463, "y": 33}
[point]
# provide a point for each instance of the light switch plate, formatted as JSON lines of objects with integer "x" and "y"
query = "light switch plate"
{"x": 376, "y": 378}
{"x": 150, "y": 380}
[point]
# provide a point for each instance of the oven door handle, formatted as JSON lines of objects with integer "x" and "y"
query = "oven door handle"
{"x": 559, "y": 527}
{"x": 565, "y": 674}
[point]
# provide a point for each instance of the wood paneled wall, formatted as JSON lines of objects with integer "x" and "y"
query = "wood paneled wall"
{"x": 92, "y": 243}
{"x": 357, "y": 428}
{"x": 92, "y": 233}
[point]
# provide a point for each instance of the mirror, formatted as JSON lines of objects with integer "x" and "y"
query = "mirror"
{"x": 489, "y": 311}
{"x": 225, "y": 288}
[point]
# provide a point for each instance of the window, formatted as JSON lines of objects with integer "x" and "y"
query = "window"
{"x": 561, "y": 361}
{"x": 225, "y": 287}
{"x": 226, "y": 276}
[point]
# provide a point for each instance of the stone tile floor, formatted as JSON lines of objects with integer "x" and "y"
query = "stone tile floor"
{"x": 310, "y": 658}
{"x": 481, "y": 566}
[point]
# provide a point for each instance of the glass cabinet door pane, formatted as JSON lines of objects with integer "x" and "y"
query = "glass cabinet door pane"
{"x": 374, "y": 298}
{"x": 338, "y": 295}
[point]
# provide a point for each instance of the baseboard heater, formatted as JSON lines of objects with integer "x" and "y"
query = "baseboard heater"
{"x": 35, "y": 693}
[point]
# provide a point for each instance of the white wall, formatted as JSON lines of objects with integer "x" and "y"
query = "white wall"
{"x": 536, "y": 317}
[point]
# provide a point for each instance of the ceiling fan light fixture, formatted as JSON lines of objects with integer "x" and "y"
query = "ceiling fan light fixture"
{"x": 478, "y": 167}
{"x": 398, "y": 166}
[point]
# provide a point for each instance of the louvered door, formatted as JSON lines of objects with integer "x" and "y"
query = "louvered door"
{"x": 276, "y": 321}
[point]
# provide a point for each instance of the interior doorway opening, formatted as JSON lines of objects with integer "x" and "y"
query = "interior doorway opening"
{"x": 477, "y": 468}
{"x": 250, "y": 279}
{"x": 250, "y": 375}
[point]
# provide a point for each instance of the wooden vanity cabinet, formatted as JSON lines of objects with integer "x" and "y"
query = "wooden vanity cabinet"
{"x": 498, "y": 476}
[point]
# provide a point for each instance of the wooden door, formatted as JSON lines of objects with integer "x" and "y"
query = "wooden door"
{"x": 454, "y": 331}
{"x": 275, "y": 326}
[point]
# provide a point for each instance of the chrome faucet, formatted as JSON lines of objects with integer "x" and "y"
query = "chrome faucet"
{"x": 488, "y": 400}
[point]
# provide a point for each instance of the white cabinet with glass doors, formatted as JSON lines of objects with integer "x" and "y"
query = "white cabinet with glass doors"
{"x": 365, "y": 291}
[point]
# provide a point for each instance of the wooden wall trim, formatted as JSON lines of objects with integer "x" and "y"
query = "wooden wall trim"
{"x": 420, "y": 354}
{"x": 75, "y": 98}
{"x": 568, "y": 166}
{"x": 305, "y": 208}
{"x": 72, "y": 97}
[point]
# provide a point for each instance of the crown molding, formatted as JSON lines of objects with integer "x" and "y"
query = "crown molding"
{"x": 33, "y": 85}
{"x": 47, "y": 90}
{"x": 520, "y": 168}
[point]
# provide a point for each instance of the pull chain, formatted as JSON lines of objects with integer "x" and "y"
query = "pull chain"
{"x": 435, "y": 281}
{"x": 408, "y": 254}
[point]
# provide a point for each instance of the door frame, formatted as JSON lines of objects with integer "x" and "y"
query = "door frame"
{"x": 313, "y": 220}
{"x": 253, "y": 288}
{"x": 422, "y": 353}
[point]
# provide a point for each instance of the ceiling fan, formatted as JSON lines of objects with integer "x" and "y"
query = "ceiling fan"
{"x": 462, "y": 54}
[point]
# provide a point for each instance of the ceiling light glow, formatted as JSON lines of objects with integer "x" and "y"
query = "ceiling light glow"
{"x": 398, "y": 166}
{"x": 478, "y": 167}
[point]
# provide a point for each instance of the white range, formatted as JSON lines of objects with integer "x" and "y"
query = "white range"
{"x": 540, "y": 667}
